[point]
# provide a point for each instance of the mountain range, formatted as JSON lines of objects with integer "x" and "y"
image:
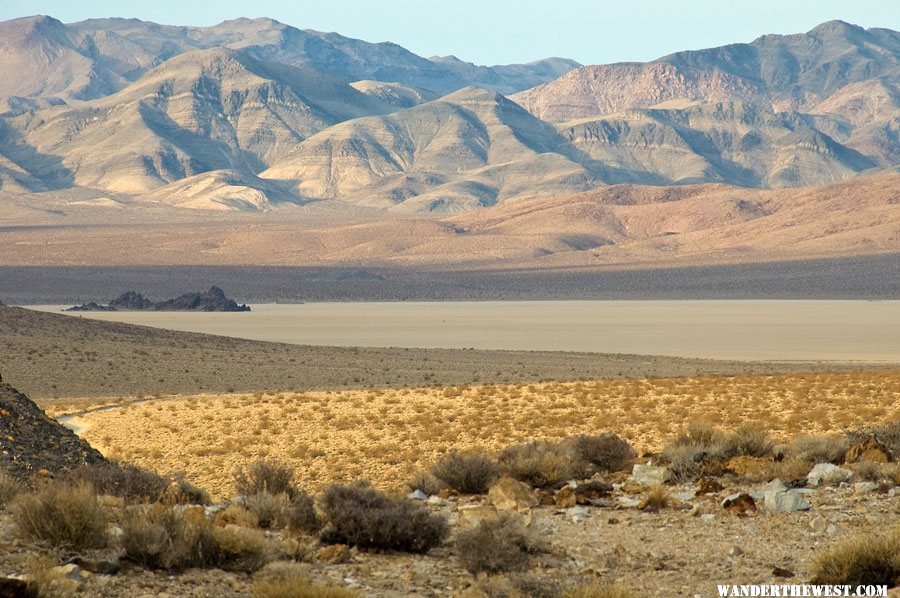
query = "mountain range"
{"x": 253, "y": 115}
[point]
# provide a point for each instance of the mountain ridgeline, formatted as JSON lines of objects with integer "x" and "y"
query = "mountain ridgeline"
{"x": 253, "y": 114}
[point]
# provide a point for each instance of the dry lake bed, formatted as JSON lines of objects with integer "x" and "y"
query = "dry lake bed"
{"x": 746, "y": 330}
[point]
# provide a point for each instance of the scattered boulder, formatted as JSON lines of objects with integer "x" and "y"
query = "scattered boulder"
{"x": 868, "y": 451}
{"x": 33, "y": 443}
{"x": 417, "y": 495}
{"x": 108, "y": 566}
{"x": 786, "y": 502}
{"x": 828, "y": 473}
{"x": 649, "y": 475}
{"x": 739, "y": 504}
{"x": 775, "y": 485}
{"x": 508, "y": 494}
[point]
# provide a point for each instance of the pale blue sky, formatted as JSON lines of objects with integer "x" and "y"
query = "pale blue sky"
{"x": 499, "y": 32}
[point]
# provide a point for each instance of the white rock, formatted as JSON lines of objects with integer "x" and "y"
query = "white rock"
{"x": 649, "y": 475}
{"x": 417, "y": 495}
{"x": 864, "y": 487}
{"x": 436, "y": 501}
{"x": 819, "y": 524}
{"x": 708, "y": 517}
{"x": 828, "y": 473}
{"x": 775, "y": 485}
{"x": 786, "y": 502}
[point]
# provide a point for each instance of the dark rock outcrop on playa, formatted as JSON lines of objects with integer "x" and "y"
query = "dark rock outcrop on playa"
{"x": 30, "y": 441}
{"x": 212, "y": 300}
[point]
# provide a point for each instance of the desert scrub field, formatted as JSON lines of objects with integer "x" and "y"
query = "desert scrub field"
{"x": 386, "y": 435}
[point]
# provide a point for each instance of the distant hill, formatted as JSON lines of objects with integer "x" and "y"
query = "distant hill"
{"x": 254, "y": 115}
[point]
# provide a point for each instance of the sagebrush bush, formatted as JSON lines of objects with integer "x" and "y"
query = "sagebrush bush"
{"x": 291, "y": 580}
{"x": 264, "y": 476}
{"x": 161, "y": 538}
{"x": 606, "y": 451}
{"x": 300, "y": 514}
{"x": 241, "y": 549}
{"x": 866, "y": 559}
{"x": 65, "y": 515}
{"x": 427, "y": 482}
{"x": 819, "y": 449}
{"x": 541, "y": 464}
{"x": 267, "y": 508}
{"x": 877, "y": 472}
{"x": 684, "y": 461}
{"x": 496, "y": 545}
{"x": 359, "y": 515}
{"x": 9, "y": 488}
{"x": 748, "y": 440}
{"x": 467, "y": 473}
{"x": 125, "y": 480}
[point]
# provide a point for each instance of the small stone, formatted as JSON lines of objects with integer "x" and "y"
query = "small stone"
{"x": 336, "y": 554}
{"x": 649, "y": 475}
{"x": 832, "y": 529}
{"x": 739, "y": 504}
{"x": 417, "y": 495}
{"x": 735, "y": 551}
{"x": 818, "y": 524}
{"x": 828, "y": 473}
{"x": 101, "y": 566}
{"x": 71, "y": 571}
{"x": 512, "y": 495}
{"x": 685, "y": 496}
{"x": 782, "y": 572}
{"x": 436, "y": 501}
{"x": 750, "y": 529}
{"x": 708, "y": 517}
{"x": 864, "y": 487}
{"x": 628, "y": 502}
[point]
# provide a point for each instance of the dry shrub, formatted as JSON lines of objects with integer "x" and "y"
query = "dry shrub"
{"x": 359, "y": 515}
{"x": 600, "y": 590}
{"x": 864, "y": 559}
{"x": 467, "y": 473}
{"x": 237, "y": 515}
{"x": 496, "y": 545}
{"x": 241, "y": 549}
{"x": 819, "y": 449}
{"x": 264, "y": 476}
{"x": 267, "y": 508}
{"x": 63, "y": 514}
{"x": 161, "y": 538}
{"x": 606, "y": 451}
{"x": 9, "y": 488}
{"x": 869, "y": 471}
{"x": 300, "y": 515}
{"x": 125, "y": 480}
{"x": 541, "y": 464}
{"x": 748, "y": 440}
{"x": 685, "y": 461}
{"x": 291, "y": 580}
{"x": 656, "y": 499}
{"x": 45, "y": 581}
{"x": 427, "y": 482}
